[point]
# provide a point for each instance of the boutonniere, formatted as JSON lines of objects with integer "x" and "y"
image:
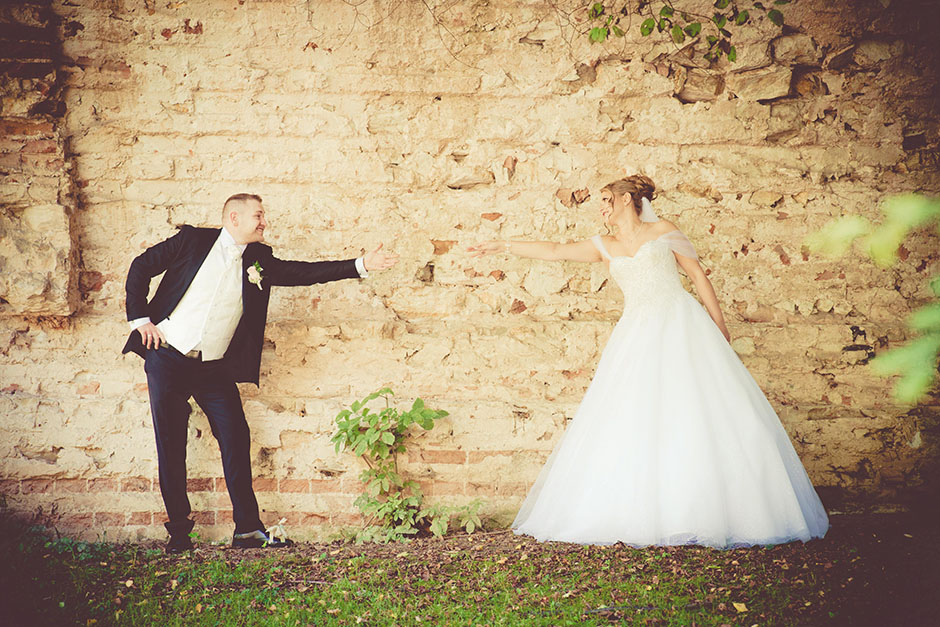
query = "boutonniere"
{"x": 254, "y": 274}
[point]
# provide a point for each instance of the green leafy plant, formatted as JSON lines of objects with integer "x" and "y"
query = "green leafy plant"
{"x": 394, "y": 506}
{"x": 916, "y": 361}
{"x": 679, "y": 24}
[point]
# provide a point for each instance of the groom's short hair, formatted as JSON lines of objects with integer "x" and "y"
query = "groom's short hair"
{"x": 241, "y": 198}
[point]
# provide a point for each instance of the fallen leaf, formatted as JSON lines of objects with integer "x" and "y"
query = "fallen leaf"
{"x": 741, "y": 607}
{"x": 129, "y": 583}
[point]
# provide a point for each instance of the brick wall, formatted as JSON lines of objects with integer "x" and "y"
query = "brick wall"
{"x": 431, "y": 130}
{"x": 37, "y": 256}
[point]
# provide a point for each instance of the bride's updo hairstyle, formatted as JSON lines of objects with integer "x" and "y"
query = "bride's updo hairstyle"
{"x": 638, "y": 186}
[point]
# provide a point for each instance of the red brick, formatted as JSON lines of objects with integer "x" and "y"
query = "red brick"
{"x": 223, "y": 516}
{"x": 91, "y": 387}
{"x": 140, "y": 518}
{"x": 311, "y": 519}
{"x": 10, "y": 161}
{"x": 9, "y": 486}
{"x": 475, "y": 457}
{"x": 432, "y": 456}
{"x": 221, "y": 487}
{"x": 436, "y": 488}
{"x": 320, "y": 486}
{"x": 83, "y": 520}
{"x": 102, "y": 485}
{"x": 346, "y": 520}
{"x": 33, "y": 486}
{"x": 294, "y": 485}
{"x": 264, "y": 485}
{"x": 71, "y": 485}
{"x": 41, "y": 161}
{"x": 11, "y": 145}
{"x": 513, "y": 488}
{"x": 291, "y": 519}
{"x": 25, "y": 126}
{"x": 203, "y": 518}
{"x": 109, "y": 519}
{"x": 200, "y": 485}
{"x": 135, "y": 484}
{"x": 41, "y": 146}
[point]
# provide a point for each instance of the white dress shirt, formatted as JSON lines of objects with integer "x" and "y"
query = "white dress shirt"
{"x": 206, "y": 317}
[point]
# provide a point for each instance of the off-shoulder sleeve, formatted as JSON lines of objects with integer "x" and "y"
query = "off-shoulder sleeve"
{"x": 680, "y": 244}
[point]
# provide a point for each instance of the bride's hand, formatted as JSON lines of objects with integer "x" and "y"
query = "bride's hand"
{"x": 487, "y": 248}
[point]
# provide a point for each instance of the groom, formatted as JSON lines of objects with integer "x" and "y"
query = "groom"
{"x": 201, "y": 333}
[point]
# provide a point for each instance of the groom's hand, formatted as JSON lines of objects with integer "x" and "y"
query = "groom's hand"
{"x": 378, "y": 260}
{"x": 150, "y": 335}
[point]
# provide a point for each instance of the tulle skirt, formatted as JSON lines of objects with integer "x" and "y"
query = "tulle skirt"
{"x": 674, "y": 443}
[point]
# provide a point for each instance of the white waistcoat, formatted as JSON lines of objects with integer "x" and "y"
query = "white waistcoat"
{"x": 206, "y": 317}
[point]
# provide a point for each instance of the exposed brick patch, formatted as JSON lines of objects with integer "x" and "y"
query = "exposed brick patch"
{"x": 12, "y": 127}
{"x": 320, "y": 486}
{"x": 346, "y": 520}
{"x": 432, "y": 456}
{"x": 442, "y": 246}
{"x": 221, "y": 487}
{"x": 140, "y": 518}
{"x": 110, "y": 519}
{"x": 311, "y": 519}
{"x": 135, "y": 484}
{"x": 476, "y": 457}
{"x": 224, "y": 517}
{"x": 294, "y": 485}
{"x": 76, "y": 521}
{"x": 203, "y": 518}
{"x": 262, "y": 484}
{"x": 40, "y": 146}
{"x": 102, "y": 485}
{"x": 71, "y": 485}
{"x": 9, "y": 486}
{"x": 441, "y": 488}
{"x": 91, "y": 387}
{"x": 200, "y": 485}
{"x": 34, "y": 486}
{"x": 509, "y": 488}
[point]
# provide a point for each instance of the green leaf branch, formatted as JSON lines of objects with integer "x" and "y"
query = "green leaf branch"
{"x": 917, "y": 361}
{"x": 393, "y": 506}
{"x": 678, "y": 24}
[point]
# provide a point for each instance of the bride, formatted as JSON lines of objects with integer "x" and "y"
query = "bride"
{"x": 674, "y": 442}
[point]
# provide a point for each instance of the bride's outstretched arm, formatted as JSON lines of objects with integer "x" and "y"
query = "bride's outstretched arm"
{"x": 705, "y": 291}
{"x": 549, "y": 251}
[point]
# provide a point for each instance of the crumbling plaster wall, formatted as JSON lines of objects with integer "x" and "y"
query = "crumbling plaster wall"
{"x": 430, "y": 128}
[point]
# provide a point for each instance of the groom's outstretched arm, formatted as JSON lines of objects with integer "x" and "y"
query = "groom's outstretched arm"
{"x": 290, "y": 273}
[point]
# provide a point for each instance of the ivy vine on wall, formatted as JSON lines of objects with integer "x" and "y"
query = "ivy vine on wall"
{"x": 680, "y": 24}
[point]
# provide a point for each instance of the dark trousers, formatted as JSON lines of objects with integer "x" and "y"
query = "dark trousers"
{"x": 172, "y": 379}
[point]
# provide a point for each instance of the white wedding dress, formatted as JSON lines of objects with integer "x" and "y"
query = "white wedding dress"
{"x": 674, "y": 442}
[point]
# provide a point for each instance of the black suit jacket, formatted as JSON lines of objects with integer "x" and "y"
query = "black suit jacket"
{"x": 181, "y": 256}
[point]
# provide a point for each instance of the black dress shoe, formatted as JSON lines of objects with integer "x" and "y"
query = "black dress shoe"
{"x": 258, "y": 540}
{"x": 179, "y": 544}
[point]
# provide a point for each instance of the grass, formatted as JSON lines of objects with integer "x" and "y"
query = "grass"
{"x": 869, "y": 570}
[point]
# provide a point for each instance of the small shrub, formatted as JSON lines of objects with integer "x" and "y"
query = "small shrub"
{"x": 393, "y": 505}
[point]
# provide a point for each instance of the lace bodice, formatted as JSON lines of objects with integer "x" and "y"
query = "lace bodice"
{"x": 650, "y": 278}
